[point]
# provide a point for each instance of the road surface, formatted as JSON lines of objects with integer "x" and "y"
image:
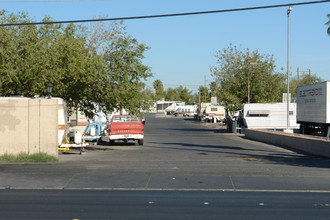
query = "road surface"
{"x": 185, "y": 170}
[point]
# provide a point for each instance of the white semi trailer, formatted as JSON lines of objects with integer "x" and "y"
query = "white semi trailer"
{"x": 313, "y": 108}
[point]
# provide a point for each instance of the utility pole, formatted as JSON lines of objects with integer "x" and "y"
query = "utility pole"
{"x": 205, "y": 93}
{"x": 298, "y": 74}
{"x": 248, "y": 69}
{"x": 288, "y": 72}
{"x": 304, "y": 72}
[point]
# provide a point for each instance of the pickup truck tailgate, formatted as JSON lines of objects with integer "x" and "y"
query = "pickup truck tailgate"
{"x": 126, "y": 128}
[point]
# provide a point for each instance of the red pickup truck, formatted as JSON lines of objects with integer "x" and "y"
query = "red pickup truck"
{"x": 126, "y": 128}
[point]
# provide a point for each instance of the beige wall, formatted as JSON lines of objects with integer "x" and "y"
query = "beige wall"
{"x": 28, "y": 125}
{"x": 302, "y": 143}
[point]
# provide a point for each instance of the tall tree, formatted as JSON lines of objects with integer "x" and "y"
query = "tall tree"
{"x": 37, "y": 55}
{"x": 159, "y": 89}
{"x": 204, "y": 94}
{"x": 185, "y": 95}
{"x": 171, "y": 95}
{"x": 246, "y": 76}
{"x": 180, "y": 94}
{"x": 88, "y": 69}
{"x": 126, "y": 74}
{"x": 121, "y": 82}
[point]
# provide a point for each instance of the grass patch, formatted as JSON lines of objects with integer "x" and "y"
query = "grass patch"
{"x": 24, "y": 157}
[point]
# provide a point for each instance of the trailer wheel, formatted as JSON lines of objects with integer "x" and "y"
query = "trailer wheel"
{"x": 140, "y": 142}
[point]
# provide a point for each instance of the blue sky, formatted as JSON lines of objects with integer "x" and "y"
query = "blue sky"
{"x": 182, "y": 48}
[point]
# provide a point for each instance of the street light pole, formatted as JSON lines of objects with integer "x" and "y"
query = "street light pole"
{"x": 288, "y": 71}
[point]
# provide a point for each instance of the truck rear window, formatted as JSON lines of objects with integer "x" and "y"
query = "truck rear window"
{"x": 125, "y": 119}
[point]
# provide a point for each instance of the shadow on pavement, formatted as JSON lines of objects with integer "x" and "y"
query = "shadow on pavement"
{"x": 242, "y": 153}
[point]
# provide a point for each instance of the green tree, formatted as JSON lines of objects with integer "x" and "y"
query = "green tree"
{"x": 185, "y": 95}
{"x": 171, "y": 95}
{"x": 125, "y": 74}
{"x": 77, "y": 72}
{"x": 204, "y": 94}
{"x": 37, "y": 55}
{"x": 306, "y": 79}
{"x": 88, "y": 69}
{"x": 120, "y": 84}
{"x": 244, "y": 76}
{"x": 180, "y": 94}
{"x": 159, "y": 89}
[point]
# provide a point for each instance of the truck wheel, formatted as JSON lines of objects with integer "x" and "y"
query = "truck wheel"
{"x": 111, "y": 142}
{"x": 140, "y": 142}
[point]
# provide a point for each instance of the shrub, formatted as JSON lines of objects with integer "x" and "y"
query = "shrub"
{"x": 24, "y": 157}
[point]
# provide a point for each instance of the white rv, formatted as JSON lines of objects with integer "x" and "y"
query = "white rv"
{"x": 62, "y": 117}
{"x": 186, "y": 110}
{"x": 269, "y": 116}
{"x": 215, "y": 112}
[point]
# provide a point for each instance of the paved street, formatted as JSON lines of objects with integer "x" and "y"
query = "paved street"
{"x": 164, "y": 205}
{"x": 185, "y": 170}
{"x": 179, "y": 154}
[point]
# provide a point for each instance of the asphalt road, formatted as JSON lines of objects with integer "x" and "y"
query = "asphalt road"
{"x": 144, "y": 205}
{"x": 185, "y": 170}
{"x": 179, "y": 153}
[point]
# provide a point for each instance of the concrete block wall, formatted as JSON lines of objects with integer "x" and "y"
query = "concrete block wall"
{"x": 310, "y": 145}
{"x": 28, "y": 125}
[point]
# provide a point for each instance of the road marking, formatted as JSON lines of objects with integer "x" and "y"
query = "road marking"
{"x": 147, "y": 185}
{"x": 232, "y": 183}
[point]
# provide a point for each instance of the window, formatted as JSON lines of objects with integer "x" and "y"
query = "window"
{"x": 125, "y": 119}
{"x": 258, "y": 113}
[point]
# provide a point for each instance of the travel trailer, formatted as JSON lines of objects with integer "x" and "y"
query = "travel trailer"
{"x": 62, "y": 120}
{"x": 268, "y": 116}
{"x": 215, "y": 113}
{"x": 186, "y": 110}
